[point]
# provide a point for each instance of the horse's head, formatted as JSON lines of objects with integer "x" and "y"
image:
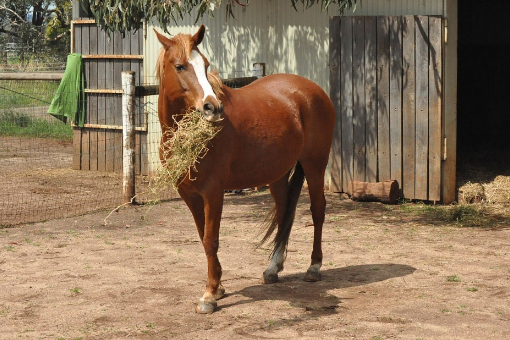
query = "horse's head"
{"x": 182, "y": 72}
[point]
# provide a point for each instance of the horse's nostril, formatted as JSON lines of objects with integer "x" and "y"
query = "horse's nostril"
{"x": 208, "y": 108}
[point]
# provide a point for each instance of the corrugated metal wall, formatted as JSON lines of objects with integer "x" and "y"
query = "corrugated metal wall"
{"x": 288, "y": 41}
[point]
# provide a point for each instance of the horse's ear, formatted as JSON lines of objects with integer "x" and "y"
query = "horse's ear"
{"x": 199, "y": 36}
{"x": 162, "y": 39}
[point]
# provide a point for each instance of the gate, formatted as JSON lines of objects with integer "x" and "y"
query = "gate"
{"x": 386, "y": 84}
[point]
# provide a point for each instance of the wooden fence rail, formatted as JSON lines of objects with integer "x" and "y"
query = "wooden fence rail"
{"x": 31, "y": 76}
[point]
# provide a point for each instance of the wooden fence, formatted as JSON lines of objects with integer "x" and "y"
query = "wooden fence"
{"x": 386, "y": 84}
{"x": 98, "y": 145}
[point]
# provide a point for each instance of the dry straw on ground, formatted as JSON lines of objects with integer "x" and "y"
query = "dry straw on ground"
{"x": 183, "y": 148}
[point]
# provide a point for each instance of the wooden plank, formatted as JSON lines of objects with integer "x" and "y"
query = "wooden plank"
{"x": 395, "y": 118}
{"x": 77, "y": 144}
{"x": 95, "y": 146}
{"x": 73, "y": 39}
{"x": 109, "y": 64}
{"x": 101, "y": 149}
{"x": 85, "y": 156}
{"x": 111, "y": 56}
{"x": 435, "y": 105}
{"x": 77, "y": 39}
{"x": 346, "y": 96}
{"x": 101, "y": 104}
{"x": 110, "y": 121}
{"x": 138, "y": 149}
{"x": 144, "y": 154}
{"x": 83, "y": 21}
{"x": 31, "y": 76}
{"x": 110, "y": 150}
{"x": 111, "y": 91}
{"x": 139, "y": 43}
{"x": 334, "y": 81}
{"x": 109, "y": 114}
{"x": 383, "y": 99}
{"x": 422, "y": 107}
{"x": 84, "y": 49}
{"x": 117, "y": 83}
{"x": 126, "y": 50}
{"x": 371, "y": 97}
{"x": 409, "y": 108}
{"x": 449, "y": 166}
{"x": 359, "y": 104}
{"x": 129, "y": 65}
{"x": 110, "y": 127}
{"x": 151, "y": 90}
{"x": 93, "y": 149}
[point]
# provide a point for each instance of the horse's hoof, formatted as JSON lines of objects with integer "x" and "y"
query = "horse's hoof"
{"x": 312, "y": 275}
{"x": 220, "y": 293}
{"x": 269, "y": 278}
{"x": 206, "y": 307}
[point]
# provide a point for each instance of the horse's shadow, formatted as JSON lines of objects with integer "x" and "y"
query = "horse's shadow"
{"x": 314, "y": 297}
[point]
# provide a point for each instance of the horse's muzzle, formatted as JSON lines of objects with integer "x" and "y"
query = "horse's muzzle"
{"x": 212, "y": 113}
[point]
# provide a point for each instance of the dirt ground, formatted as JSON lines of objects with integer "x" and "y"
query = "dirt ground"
{"x": 389, "y": 272}
{"x": 39, "y": 184}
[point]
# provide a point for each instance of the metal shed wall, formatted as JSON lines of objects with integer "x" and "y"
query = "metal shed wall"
{"x": 272, "y": 32}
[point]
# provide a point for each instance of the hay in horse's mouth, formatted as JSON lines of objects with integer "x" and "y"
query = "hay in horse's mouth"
{"x": 183, "y": 148}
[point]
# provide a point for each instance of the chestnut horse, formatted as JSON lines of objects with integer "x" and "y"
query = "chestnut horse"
{"x": 276, "y": 130}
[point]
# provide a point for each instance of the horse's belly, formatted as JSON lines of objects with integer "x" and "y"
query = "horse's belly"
{"x": 261, "y": 168}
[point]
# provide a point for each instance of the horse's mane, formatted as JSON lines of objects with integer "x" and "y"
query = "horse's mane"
{"x": 185, "y": 46}
{"x": 216, "y": 83}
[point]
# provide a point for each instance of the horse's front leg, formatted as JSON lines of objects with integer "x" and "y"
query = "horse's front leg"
{"x": 213, "y": 206}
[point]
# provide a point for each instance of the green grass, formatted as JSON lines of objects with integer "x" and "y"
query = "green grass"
{"x": 453, "y": 278}
{"x": 16, "y": 124}
{"x": 75, "y": 291}
{"x": 26, "y": 93}
{"x": 17, "y": 100}
{"x": 464, "y": 215}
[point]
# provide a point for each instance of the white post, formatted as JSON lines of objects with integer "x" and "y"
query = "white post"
{"x": 128, "y": 136}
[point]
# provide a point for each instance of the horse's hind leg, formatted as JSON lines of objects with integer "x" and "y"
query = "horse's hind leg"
{"x": 279, "y": 191}
{"x": 315, "y": 180}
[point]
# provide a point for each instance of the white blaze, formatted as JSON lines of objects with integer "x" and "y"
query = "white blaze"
{"x": 198, "y": 64}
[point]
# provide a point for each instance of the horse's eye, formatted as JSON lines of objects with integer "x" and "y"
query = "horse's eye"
{"x": 180, "y": 68}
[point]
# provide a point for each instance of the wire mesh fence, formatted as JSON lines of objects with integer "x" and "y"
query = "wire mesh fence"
{"x": 50, "y": 169}
{"x": 38, "y": 172}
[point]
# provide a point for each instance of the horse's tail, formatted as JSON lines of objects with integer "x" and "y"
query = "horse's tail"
{"x": 296, "y": 179}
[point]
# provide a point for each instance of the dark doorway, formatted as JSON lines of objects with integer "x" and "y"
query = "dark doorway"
{"x": 483, "y": 86}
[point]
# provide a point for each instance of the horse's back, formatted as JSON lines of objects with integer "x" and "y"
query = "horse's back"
{"x": 301, "y": 96}
{"x": 281, "y": 83}
{"x": 288, "y": 92}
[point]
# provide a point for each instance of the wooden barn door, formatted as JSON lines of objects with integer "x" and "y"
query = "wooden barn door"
{"x": 386, "y": 84}
{"x": 98, "y": 145}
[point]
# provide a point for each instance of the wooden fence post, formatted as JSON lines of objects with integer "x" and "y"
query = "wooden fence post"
{"x": 128, "y": 136}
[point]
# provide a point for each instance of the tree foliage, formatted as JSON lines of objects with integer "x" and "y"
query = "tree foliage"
{"x": 36, "y": 25}
{"x": 127, "y": 15}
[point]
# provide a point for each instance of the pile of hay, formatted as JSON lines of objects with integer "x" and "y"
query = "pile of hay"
{"x": 183, "y": 149}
